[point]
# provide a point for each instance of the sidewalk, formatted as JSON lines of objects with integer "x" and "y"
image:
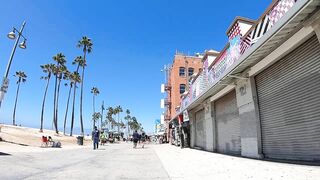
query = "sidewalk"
{"x": 195, "y": 164}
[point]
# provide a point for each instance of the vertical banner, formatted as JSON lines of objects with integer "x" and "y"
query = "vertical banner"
{"x": 162, "y": 103}
{"x": 185, "y": 115}
{"x": 162, "y": 88}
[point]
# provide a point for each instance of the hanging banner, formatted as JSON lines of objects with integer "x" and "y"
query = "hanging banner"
{"x": 185, "y": 115}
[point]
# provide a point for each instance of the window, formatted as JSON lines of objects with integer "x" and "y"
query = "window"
{"x": 190, "y": 71}
{"x": 182, "y": 88}
{"x": 182, "y": 71}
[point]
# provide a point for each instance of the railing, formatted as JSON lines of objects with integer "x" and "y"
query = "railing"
{"x": 236, "y": 46}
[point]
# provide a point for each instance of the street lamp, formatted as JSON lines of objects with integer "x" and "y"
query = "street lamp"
{"x": 22, "y": 45}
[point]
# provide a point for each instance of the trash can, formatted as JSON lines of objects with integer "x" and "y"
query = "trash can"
{"x": 80, "y": 140}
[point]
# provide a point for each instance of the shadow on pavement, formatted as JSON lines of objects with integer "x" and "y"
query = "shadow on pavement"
{"x": 4, "y": 154}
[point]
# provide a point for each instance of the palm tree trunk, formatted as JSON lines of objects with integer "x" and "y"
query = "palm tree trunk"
{"x": 93, "y": 99}
{"x": 57, "y": 104}
{"x": 73, "y": 103}
{"x": 43, "y": 103}
{"x": 81, "y": 98}
{"x": 54, "y": 104}
{"x": 15, "y": 106}
{"x": 66, "y": 114}
{"x": 101, "y": 116}
{"x": 94, "y": 122}
{"x": 118, "y": 122}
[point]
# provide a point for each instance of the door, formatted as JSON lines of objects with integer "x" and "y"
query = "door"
{"x": 289, "y": 105}
{"x": 228, "y": 124}
{"x": 200, "y": 130}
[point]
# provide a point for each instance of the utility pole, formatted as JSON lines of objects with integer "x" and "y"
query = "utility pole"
{"x": 22, "y": 45}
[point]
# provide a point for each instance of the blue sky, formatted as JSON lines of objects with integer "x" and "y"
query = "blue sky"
{"x": 132, "y": 41}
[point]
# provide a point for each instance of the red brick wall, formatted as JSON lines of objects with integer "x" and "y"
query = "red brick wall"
{"x": 176, "y": 80}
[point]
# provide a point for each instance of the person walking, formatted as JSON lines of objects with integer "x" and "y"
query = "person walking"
{"x": 143, "y": 139}
{"x": 95, "y": 138}
{"x": 135, "y": 137}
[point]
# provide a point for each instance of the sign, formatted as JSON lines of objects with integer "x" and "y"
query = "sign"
{"x": 185, "y": 115}
{"x": 162, "y": 103}
{"x": 5, "y": 85}
{"x": 162, "y": 118}
{"x": 162, "y": 88}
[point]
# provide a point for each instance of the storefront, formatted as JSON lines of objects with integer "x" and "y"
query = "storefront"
{"x": 227, "y": 124}
{"x": 200, "y": 139}
{"x": 288, "y": 98}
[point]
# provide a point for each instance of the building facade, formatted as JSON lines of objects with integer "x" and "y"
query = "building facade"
{"x": 260, "y": 97}
{"x": 182, "y": 69}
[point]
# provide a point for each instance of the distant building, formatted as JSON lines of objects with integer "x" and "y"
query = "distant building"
{"x": 182, "y": 69}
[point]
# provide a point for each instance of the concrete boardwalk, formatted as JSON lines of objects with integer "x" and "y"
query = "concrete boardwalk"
{"x": 112, "y": 161}
{"x": 120, "y": 161}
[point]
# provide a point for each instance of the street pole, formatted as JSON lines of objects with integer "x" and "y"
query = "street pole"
{"x": 5, "y": 80}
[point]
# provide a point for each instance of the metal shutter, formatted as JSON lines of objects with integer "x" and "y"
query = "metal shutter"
{"x": 228, "y": 124}
{"x": 200, "y": 130}
{"x": 289, "y": 105}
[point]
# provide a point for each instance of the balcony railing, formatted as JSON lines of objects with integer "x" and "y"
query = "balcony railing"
{"x": 236, "y": 46}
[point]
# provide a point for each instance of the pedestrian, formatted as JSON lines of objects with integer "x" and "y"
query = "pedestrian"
{"x": 135, "y": 137}
{"x": 143, "y": 139}
{"x": 95, "y": 138}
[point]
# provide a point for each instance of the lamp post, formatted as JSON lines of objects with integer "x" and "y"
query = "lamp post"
{"x": 22, "y": 45}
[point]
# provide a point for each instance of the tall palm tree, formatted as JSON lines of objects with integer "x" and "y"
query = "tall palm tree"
{"x": 47, "y": 69}
{"x": 78, "y": 61}
{"x": 102, "y": 109}
{"x": 60, "y": 60}
{"x": 75, "y": 78}
{"x": 109, "y": 116}
{"x": 118, "y": 111}
{"x": 86, "y": 45}
{"x": 68, "y": 78}
{"x": 22, "y": 77}
{"x": 95, "y": 117}
{"x": 128, "y": 118}
{"x": 95, "y": 91}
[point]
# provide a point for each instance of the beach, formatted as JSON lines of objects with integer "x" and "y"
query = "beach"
{"x": 23, "y": 139}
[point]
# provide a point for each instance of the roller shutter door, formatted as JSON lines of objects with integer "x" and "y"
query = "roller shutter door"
{"x": 289, "y": 105}
{"x": 228, "y": 124}
{"x": 200, "y": 130}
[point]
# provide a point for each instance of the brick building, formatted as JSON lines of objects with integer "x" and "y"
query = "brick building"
{"x": 183, "y": 67}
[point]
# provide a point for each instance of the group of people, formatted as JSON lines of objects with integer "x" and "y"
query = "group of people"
{"x": 98, "y": 136}
{"x": 48, "y": 142}
{"x": 141, "y": 138}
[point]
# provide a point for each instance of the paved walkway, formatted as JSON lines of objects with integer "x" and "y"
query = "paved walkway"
{"x": 113, "y": 161}
{"x": 202, "y": 165}
{"x": 120, "y": 161}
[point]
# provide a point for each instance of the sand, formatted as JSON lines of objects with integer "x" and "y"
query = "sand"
{"x": 16, "y": 139}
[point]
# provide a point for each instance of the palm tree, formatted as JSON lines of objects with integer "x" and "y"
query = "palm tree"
{"x": 95, "y": 117}
{"x": 78, "y": 61}
{"x": 58, "y": 71}
{"x": 128, "y": 118}
{"x": 102, "y": 109}
{"x": 86, "y": 45}
{"x": 47, "y": 69}
{"x": 75, "y": 77}
{"x": 22, "y": 77}
{"x": 68, "y": 77}
{"x": 109, "y": 116}
{"x": 95, "y": 91}
{"x": 118, "y": 111}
